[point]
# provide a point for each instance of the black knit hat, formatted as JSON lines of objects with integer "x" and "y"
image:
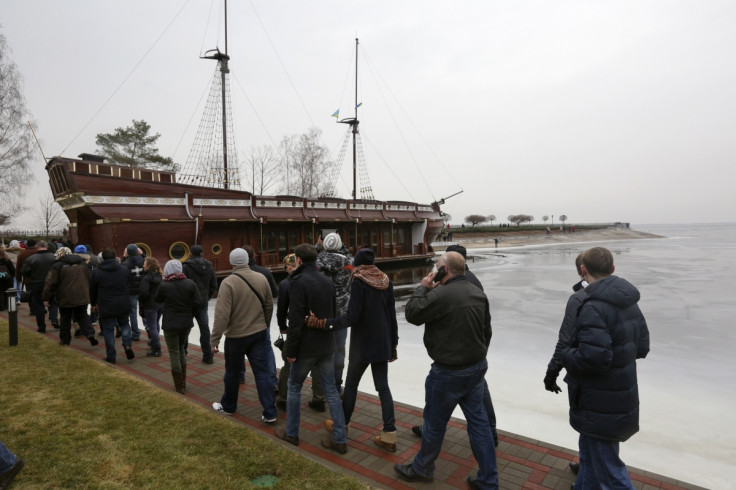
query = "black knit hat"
{"x": 459, "y": 249}
{"x": 197, "y": 249}
{"x": 365, "y": 256}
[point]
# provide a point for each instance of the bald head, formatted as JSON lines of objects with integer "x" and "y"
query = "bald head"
{"x": 453, "y": 262}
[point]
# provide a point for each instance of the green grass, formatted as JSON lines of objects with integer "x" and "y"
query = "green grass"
{"x": 81, "y": 424}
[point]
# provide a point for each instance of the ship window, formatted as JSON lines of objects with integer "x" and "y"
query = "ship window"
{"x": 179, "y": 251}
{"x": 146, "y": 249}
{"x": 104, "y": 170}
{"x": 217, "y": 249}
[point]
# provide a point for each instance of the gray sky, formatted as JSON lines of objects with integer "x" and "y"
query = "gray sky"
{"x": 600, "y": 110}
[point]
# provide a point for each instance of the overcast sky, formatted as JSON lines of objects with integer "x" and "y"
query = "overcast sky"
{"x": 600, "y": 110}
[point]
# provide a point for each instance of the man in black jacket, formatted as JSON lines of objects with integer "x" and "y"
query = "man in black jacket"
{"x": 202, "y": 273}
{"x": 457, "y": 333}
{"x": 610, "y": 335}
{"x": 109, "y": 296}
{"x": 133, "y": 261}
{"x": 307, "y": 348}
{"x": 34, "y": 270}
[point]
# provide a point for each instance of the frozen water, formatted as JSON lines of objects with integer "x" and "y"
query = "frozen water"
{"x": 687, "y": 383}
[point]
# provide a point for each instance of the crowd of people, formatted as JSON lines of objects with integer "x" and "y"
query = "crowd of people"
{"x": 326, "y": 292}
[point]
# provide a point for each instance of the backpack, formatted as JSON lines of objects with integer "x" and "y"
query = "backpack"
{"x": 4, "y": 271}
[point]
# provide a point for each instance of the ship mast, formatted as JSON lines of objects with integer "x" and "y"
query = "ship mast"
{"x": 353, "y": 122}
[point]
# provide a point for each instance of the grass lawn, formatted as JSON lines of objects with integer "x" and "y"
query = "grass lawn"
{"x": 81, "y": 424}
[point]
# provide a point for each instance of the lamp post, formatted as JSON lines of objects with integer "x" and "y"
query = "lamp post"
{"x": 12, "y": 316}
{"x": 553, "y": 220}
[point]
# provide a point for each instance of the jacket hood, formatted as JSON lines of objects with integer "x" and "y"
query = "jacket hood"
{"x": 109, "y": 265}
{"x": 614, "y": 290}
{"x": 71, "y": 259}
{"x": 199, "y": 265}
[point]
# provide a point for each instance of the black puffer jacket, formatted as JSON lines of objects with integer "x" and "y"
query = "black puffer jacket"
{"x": 37, "y": 266}
{"x": 457, "y": 322}
{"x": 109, "y": 288}
{"x": 135, "y": 265}
{"x": 567, "y": 330}
{"x": 181, "y": 299}
{"x": 610, "y": 334}
{"x": 147, "y": 292}
{"x": 202, "y": 273}
{"x": 310, "y": 290}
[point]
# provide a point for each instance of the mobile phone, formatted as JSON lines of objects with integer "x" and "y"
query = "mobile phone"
{"x": 441, "y": 272}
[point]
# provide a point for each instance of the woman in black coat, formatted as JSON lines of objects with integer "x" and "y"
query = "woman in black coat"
{"x": 181, "y": 299}
{"x": 150, "y": 309}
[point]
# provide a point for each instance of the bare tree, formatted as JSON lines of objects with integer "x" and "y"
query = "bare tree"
{"x": 304, "y": 159}
{"x": 49, "y": 216}
{"x": 518, "y": 219}
{"x": 446, "y": 217}
{"x": 545, "y": 218}
{"x": 262, "y": 169}
{"x": 16, "y": 140}
{"x": 563, "y": 218}
{"x": 474, "y": 219}
{"x": 491, "y": 218}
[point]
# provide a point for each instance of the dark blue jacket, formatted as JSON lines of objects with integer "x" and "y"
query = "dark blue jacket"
{"x": 202, "y": 273}
{"x": 310, "y": 290}
{"x": 109, "y": 289}
{"x": 610, "y": 334}
{"x": 282, "y": 306}
{"x": 567, "y": 330}
{"x": 372, "y": 315}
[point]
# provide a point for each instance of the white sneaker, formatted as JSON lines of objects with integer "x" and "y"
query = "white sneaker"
{"x": 218, "y": 408}
{"x": 268, "y": 421}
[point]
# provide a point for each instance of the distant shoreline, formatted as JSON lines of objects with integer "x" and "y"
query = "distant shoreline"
{"x": 540, "y": 237}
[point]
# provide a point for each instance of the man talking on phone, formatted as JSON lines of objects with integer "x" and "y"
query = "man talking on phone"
{"x": 457, "y": 332}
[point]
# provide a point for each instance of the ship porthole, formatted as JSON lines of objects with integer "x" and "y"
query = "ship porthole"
{"x": 216, "y": 249}
{"x": 146, "y": 249}
{"x": 179, "y": 251}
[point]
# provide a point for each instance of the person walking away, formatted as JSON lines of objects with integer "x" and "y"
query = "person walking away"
{"x": 336, "y": 263}
{"x": 35, "y": 268}
{"x": 457, "y": 333}
{"x": 133, "y": 261}
{"x": 181, "y": 300}
{"x": 610, "y": 335}
{"x": 565, "y": 337}
{"x": 31, "y": 248}
{"x": 152, "y": 311}
{"x": 68, "y": 281}
{"x": 371, "y": 314}
{"x": 306, "y": 348}
{"x": 7, "y": 275}
{"x": 109, "y": 297}
{"x": 242, "y": 314}
{"x": 202, "y": 273}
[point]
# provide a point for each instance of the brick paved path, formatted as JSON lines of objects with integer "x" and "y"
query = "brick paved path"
{"x": 523, "y": 463}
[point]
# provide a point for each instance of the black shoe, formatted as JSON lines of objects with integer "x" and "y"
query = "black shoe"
{"x": 281, "y": 405}
{"x": 575, "y": 467}
{"x": 473, "y": 482}
{"x": 208, "y": 359}
{"x": 56, "y": 326}
{"x": 129, "y": 352}
{"x": 41, "y": 330}
{"x": 406, "y": 472}
{"x": 417, "y": 430}
{"x": 108, "y": 360}
{"x": 7, "y": 478}
{"x": 77, "y": 333}
{"x": 317, "y": 406}
{"x": 281, "y": 434}
{"x": 154, "y": 353}
{"x": 93, "y": 341}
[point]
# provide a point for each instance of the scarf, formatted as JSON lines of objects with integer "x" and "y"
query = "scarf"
{"x": 176, "y": 276}
{"x": 372, "y": 276}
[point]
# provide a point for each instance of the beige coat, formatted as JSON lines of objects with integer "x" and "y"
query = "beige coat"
{"x": 238, "y": 312}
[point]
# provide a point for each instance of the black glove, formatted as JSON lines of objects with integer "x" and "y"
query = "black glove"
{"x": 550, "y": 382}
{"x": 312, "y": 321}
{"x": 394, "y": 354}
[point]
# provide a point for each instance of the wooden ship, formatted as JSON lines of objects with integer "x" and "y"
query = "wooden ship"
{"x": 165, "y": 213}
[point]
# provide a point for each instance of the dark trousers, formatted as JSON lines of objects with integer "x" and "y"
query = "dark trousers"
{"x": 79, "y": 313}
{"x": 203, "y": 322}
{"x": 380, "y": 380}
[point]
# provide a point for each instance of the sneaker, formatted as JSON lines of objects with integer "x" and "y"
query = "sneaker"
{"x": 129, "y": 352}
{"x": 268, "y": 421}
{"x": 218, "y": 408}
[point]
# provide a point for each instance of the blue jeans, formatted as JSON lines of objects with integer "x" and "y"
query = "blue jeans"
{"x": 380, "y": 380}
{"x": 600, "y": 465}
{"x": 271, "y": 363}
{"x": 341, "y": 337}
{"x": 325, "y": 366}
{"x": 133, "y": 317}
{"x": 258, "y": 349}
{"x": 107, "y": 324}
{"x": 203, "y": 321}
{"x": 444, "y": 390}
{"x": 488, "y": 403}
{"x": 7, "y": 459}
{"x": 153, "y": 320}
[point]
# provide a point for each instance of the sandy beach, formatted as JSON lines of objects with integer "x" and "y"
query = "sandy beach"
{"x": 508, "y": 239}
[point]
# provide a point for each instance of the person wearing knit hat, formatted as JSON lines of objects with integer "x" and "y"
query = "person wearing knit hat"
{"x": 201, "y": 271}
{"x": 134, "y": 262}
{"x": 371, "y": 313}
{"x": 336, "y": 263}
{"x": 80, "y": 249}
{"x": 62, "y": 251}
{"x": 180, "y": 297}
{"x": 242, "y": 315}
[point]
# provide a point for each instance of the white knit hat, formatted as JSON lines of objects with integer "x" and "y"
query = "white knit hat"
{"x": 332, "y": 242}
{"x": 238, "y": 256}
{"x": 172, "y": 267}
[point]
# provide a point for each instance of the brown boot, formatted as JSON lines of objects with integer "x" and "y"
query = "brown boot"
{"x": 178, "y": 381}
{"x": 330, "y": 425}
{"x": 386, "y": 440}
